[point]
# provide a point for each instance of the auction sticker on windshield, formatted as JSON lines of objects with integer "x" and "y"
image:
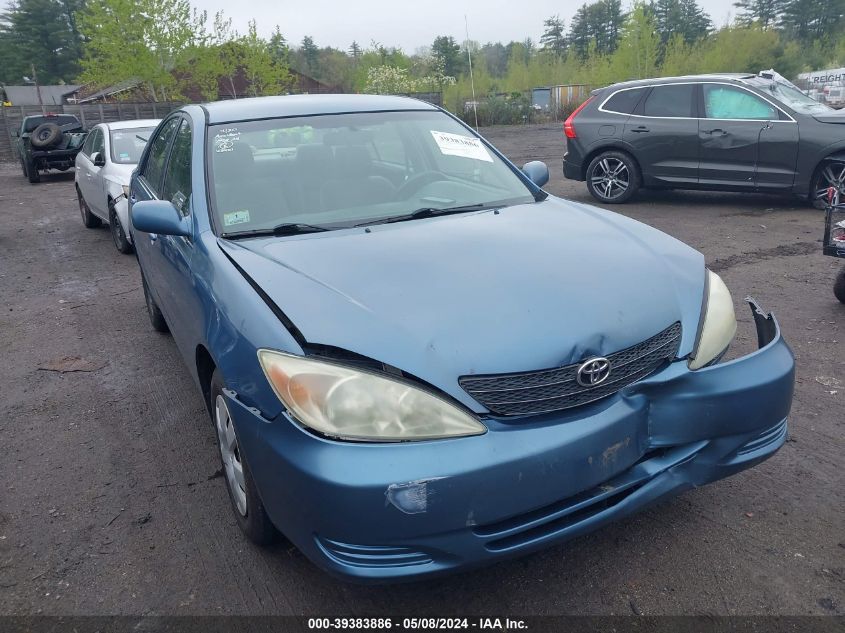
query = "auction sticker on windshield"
{"x": 463, "y": 146}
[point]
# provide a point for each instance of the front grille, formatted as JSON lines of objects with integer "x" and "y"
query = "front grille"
{"x": 550, "y": 390}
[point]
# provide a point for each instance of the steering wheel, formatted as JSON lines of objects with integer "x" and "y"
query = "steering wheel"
{"x": 417, "y": 182}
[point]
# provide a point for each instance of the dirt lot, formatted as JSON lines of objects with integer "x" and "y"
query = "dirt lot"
{"x": 111, "y": 500}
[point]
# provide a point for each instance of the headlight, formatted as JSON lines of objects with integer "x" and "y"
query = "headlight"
{"x": 126, "y": 191}
{"x": 351, "y": 404}
{"x": 718, "y": 325}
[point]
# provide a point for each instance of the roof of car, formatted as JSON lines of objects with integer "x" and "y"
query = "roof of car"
{"x": 305, "y": 105}
{"x": 131, "y": 125}
{"x": 738, "y": 77}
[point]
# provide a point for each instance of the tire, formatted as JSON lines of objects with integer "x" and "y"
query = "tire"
{"x": 829, "y": 174}
{"x": 118, "y": 235}
{"x": 153, "y": 311}
{"x": 613, "y": 177}
{"x": 32, "y": 171}
{"x": 23, "y": 168}
{"x": 90, "y": 220}
{"x": 45, "y": 135}
{"x": 246, "y": 504}
{"x": 839, "y": 286}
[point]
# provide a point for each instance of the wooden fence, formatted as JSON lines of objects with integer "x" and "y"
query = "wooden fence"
{"x": 89, "y": 116}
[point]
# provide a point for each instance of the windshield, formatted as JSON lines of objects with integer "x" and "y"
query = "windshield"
{"x": 792, "y": 97}
{"x": 340, "y": 170}
{"x": 127, "y": 144}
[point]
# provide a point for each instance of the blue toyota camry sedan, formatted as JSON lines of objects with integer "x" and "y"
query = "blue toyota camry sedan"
{"x": 416, "y": 360}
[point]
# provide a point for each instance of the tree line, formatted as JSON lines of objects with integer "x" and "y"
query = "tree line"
{"x": 167, "y": 46}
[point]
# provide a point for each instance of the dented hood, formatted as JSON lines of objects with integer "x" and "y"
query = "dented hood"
{"x": 532, "y": 287}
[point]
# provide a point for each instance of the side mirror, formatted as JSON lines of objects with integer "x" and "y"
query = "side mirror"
{"x": 159, "y": 217}
{"x": 537, "y": 172}
{"x": 98, "y": 159}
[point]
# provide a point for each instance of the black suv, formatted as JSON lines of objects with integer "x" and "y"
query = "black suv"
{"x": 719, "y": 132}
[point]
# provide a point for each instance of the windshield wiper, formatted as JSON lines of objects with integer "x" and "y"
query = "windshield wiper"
{"x": 286, "y": 228}
{"x": 430, "y": 212}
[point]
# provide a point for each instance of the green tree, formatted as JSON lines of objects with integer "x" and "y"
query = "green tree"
{"x": 355, "y": 51}
{"x": 279, "y": 48}
{"x": 265, "y": 75}
{"x": 600, "y": 23}
{"x": 637, "y": 55}
{"x": 447, "y": 50}
{"x": 766, "y": 13}
{"x": 43, "y": 33}
{"x": 553, "y": 39}
{"x": 140, "y": 39}
{"x": 310, "y": 55}
{"x": 679, "y": 17}
{"x": 810, "y": 21}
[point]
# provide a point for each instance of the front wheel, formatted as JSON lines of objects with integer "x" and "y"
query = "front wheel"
{"x": 248, "y": 509}
{"x": 613, "y": 177}
{"x": 839, "y": 286}
{"x": 154, "y": 312}
{"x": 118, "y": 235}
{"x": 829, "y": 175}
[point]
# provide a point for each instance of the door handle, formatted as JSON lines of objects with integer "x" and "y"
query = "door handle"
{"x": 639, "y": 129}
{"x": 717, "y": 131}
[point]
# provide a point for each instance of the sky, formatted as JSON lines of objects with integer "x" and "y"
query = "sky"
{"x": 408, "y": 25}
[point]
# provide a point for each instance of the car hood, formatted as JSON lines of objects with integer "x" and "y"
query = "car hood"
{"x": 120, "y": 174}
{"x": 835, "y": 116}
{"x": 530, "y": 287}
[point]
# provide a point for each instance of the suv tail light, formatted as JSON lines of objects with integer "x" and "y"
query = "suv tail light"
{"x": 568, "y": 126}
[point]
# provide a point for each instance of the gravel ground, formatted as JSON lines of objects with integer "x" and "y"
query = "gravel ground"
{"x": 112, "y": 502}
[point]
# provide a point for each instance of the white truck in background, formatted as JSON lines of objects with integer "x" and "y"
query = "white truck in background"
{"x": 826, "y": 86}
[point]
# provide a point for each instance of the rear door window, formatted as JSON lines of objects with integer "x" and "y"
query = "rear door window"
{"x": 728, "y": 102}
{"x": 624, "y": 101}
{"x": 673, "y": 101}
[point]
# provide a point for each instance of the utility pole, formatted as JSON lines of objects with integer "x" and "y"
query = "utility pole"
{"x": 38, "y": 89}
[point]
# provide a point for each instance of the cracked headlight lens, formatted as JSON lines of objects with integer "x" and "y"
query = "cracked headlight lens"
{"x": 347, "y": 403}
{"x": 718, "y": 325}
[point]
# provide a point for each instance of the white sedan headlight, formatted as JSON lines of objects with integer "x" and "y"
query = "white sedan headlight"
{"x": 718, "y": 326}
{"x": 358, "y": 405}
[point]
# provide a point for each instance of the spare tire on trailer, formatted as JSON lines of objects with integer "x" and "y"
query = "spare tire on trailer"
{"x": 45, "y": 135}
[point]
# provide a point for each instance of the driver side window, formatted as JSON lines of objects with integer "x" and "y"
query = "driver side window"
{"x": 728, "y": 102}
{"x": 154, "y": 166}
{"x": 98, "y": 145}
{"x": 89, "y": 142}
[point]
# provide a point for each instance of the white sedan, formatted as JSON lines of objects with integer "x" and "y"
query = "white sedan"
{"x": 103, "y": 169}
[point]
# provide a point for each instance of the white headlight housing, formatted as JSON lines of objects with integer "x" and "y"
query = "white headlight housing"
{"x": 718, "y": 325}
{"x": 347, "y": 403}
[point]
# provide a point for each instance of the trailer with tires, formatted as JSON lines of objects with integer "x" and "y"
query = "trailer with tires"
{"x": 48, "y": 141}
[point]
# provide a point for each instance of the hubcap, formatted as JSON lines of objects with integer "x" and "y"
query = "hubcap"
{"x": 832, "y": 176}
{"x": 610, "y": 178}
{"x": 231, "y": 454}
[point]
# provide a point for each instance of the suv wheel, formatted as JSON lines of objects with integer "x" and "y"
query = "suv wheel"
{"x": 613, "y": 177}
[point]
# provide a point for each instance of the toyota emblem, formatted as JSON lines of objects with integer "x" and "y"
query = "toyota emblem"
{"x": 593, "y": 372}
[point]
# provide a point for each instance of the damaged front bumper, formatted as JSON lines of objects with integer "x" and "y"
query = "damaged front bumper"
{"x": 400, "y": 511}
